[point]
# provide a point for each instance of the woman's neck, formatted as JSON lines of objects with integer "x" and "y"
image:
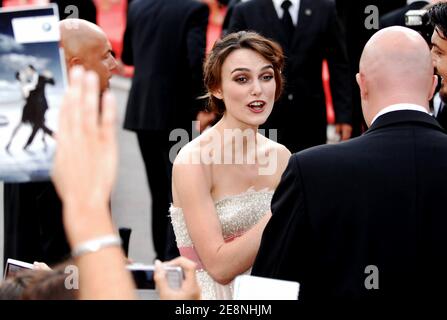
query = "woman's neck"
{"x": 241, "y": 138}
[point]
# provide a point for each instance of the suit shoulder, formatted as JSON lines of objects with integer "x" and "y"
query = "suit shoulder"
{"x": 326, "y": 4}
{"x": 327, "y": 152}
{"x": 247, "y": 5}
{"x": 193, "y": 7}
{"x": 197, "y": 4}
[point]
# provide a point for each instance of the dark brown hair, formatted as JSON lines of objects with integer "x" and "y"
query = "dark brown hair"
{"x": 437, "y": 15}
{"x": 212, "y": 69}
{"x": 12, "y": 288}
{"x": 39, "y": 285}
{"x": 50, "y": 284}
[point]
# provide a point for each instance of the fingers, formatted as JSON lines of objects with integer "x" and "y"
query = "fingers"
{"x": 41, "y": 266}
{"x": 108, "y": 116}
{"x": 338, "y": 128}
{"x": 73, "y": 100}
{"x": 190, "y": 288}
{"x": 346, "y": 132}
{"x": 188, "y": 266}
{"x": 81, "y": 105}
{"x": 160, "y": 277}
{"x": 90, "y": 108}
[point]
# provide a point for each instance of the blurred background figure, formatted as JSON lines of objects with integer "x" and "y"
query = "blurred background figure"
{"x": 218, "y": 10}
{"x": 353, "y": 15}
{"x": 165, "y": 41}
{"x": 309, "y": 32}
{"x": 230, "y": 7}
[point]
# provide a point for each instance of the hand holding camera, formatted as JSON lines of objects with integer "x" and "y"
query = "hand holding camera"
{"x": 143, "y": 276}
{"x": 189, "y": 288}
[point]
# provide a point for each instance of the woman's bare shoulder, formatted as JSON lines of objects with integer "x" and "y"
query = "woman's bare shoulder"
{"x": 273, "y": 146}
{"x": 190, "y": 159}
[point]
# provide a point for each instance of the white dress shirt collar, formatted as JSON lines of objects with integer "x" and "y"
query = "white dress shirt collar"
{"x": 399, "y": 107}
{"x": 294, "y": 9}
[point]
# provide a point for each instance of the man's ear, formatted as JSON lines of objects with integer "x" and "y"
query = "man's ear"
{"x": 360, "y": 78}
{"x": 433, "y": 86}
{"x": 74, "y": 61}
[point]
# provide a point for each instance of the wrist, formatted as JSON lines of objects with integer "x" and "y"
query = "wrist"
{"x": 84, "y": 203}
{"x": 82, "y": 222}
{"x": 95, "y": 244}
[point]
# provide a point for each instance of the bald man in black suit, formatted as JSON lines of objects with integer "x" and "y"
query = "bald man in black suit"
{"x": 374, "y": 205}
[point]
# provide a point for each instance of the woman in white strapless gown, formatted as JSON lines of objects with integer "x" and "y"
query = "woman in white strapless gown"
{"x": 236, "y": 214}
{"x": 223, "y": 181}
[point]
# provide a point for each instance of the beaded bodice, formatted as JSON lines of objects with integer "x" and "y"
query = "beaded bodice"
{"x": 237, "y": 214}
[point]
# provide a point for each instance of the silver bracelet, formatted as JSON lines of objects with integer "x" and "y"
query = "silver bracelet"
{"x": 96, "y": 244}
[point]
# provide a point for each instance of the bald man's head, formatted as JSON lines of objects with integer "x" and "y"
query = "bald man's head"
{"x": 86, "y": 44}
{"x": 395, "y": 67}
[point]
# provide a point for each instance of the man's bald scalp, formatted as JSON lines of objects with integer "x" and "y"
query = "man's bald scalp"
{"x": 397, "y": 57}
{"x": 78, "y": 35}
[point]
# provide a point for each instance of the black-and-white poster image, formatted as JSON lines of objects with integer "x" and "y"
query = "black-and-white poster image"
{"x": 32, "y": 82}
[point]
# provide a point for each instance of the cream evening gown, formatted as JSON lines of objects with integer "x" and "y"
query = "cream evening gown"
{"x": 237, "y": 214}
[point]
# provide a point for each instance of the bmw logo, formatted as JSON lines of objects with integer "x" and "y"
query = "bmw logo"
{"x": 46, "y": 27}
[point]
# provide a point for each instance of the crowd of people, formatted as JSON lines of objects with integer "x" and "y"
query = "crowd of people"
{"x": 235, "y": 201}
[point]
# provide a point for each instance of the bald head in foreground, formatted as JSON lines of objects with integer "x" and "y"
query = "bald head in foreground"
{"x": 85, "y": 44}
{"x": 364, "y": 221}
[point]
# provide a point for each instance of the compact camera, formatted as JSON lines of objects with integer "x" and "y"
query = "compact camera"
{"x": 13, "y": 266}
{"x": 419, "y": 21}
{"x": 143, "y": 276}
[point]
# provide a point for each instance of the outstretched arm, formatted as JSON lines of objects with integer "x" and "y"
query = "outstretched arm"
{"x": 84, "y": 173}
{"x": 222, "y": 260}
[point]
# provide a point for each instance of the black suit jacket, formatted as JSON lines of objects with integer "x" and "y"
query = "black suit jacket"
{"x": 33, "y": 228}
{"x": 397, "y": 17}
{"x": 352, "y": 15}
{"x": 441, "y": 117}
{"x": 226, "y": 22}
{"x": 378, "y": 200}
{"x": 165, "y": 40}
{"x": 300, "y": 115}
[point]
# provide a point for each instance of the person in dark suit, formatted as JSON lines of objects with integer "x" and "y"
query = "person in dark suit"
{"x": 363, "y": 221}
{"x": 230, "y": 8}
{"x": 308, "y": 34}
{"x": 33, "y": 229}
{"x": 165, "y": 40}
{"x": 353, "y": 17}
